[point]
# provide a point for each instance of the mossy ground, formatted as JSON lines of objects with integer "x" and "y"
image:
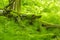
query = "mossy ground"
{"x": 9, "y": 30}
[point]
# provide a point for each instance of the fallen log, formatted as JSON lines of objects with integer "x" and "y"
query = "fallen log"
{"x": 42, "y": 23}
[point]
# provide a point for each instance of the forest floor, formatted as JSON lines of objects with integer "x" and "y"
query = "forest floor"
{"x": 9, "y": 30}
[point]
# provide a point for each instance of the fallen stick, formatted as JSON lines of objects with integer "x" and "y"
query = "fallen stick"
{"x": 46, "y": 24}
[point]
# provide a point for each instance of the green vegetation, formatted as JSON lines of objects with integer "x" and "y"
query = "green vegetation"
{"x": 29, "y": 19}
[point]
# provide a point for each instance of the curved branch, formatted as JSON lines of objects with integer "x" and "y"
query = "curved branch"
{"x": 9, "y": 4}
